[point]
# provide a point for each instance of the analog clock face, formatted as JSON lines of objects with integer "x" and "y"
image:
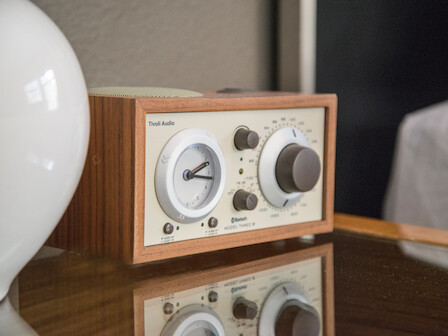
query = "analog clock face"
{"x": 194, "y": 176}
{"x": 190, "y": 175}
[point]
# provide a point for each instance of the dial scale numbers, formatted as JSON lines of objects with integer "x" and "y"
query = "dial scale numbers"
{"x": 215, "y": 302}
{"x": 239, "y": 171}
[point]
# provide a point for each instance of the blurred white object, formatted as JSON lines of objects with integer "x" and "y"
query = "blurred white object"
{"x": 11, "y": 323}
{"x": 430, "y": 254}
{"x": 44, "y": 130}
{"x": 418, "y": 187}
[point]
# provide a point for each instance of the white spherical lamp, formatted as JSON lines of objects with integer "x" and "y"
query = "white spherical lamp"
{"x": 44, "y": 131}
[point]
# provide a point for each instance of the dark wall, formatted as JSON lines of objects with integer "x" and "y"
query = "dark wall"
{"x": 384, "y": 59}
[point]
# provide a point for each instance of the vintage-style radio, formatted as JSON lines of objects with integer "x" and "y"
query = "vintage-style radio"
{"x": 176, "y": 172}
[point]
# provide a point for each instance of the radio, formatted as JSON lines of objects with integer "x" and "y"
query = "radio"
{"x": 176, "y": 172}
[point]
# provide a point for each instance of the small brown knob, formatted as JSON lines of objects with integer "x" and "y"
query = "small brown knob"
{"x": 213, "y": 222}
{"x": 297, "y": 168}
{"x": 245, "y": 309}
{"x": 244, "y": 200}
{"x": 246, "y": 139}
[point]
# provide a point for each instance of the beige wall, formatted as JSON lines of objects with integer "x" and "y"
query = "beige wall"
{"x": 187, "y": 44}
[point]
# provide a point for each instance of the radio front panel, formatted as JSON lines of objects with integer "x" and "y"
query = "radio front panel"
{"x": 179, "y": 203}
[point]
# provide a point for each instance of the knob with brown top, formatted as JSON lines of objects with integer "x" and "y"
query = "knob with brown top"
{"x": 245, "y": 309}
{"x": 246, "y": 139}
{"x": 297, "y": 168}
{"x": 244, "y": 200}
{"x": 297, "y": 319}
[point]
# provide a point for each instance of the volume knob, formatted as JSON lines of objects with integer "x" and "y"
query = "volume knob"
{"x": 246, "y": 139}
{"x": 244, "y": 200}
{"x": 245, "y": 309}
{"x": 297, "y": 168}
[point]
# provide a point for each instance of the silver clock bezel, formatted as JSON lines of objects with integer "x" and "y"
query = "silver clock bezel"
{"x": 166, "y": 164}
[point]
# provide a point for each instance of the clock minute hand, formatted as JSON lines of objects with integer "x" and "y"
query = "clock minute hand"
{"x": 204, "y": 177}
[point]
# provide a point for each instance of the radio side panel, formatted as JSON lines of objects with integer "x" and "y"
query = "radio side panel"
{"x": 100, "y": 217}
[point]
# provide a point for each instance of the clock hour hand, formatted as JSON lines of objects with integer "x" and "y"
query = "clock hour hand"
{"x": 189, "y": 174}
{"x": 200, "y": 167}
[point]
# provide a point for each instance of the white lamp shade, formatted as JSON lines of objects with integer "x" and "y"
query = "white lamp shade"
{"x": 11, "y": 323}
{"x": 44, "y": 131}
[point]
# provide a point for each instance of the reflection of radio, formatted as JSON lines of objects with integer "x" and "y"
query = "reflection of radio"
{"x": 175, "y": 172}
{"x": 284, "y": 286}
{"x": 289, "y": 294}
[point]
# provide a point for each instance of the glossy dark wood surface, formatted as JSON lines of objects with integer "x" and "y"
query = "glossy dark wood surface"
{"x": 381, "y": 287}
{"x": 379, "y": 290}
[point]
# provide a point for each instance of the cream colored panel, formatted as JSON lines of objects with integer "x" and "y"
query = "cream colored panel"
{"x": 254, "y": 287}
{"x": 241, "y": 168}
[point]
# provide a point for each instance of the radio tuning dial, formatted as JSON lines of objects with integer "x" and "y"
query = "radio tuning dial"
{"x": 246, "y": 139}
{"x": 288, "y": 166}
{"x": 297, "y": 168}
{"x": 286, "y": 311}
{"x": 244, "y": 200}
{"x": 245, "y": 309}
{"x": 297, "y": 318}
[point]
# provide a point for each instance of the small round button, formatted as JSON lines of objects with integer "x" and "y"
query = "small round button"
{"x": 245, "y": 309}
{"x": 168, "y": 308}
{"x": 246, "y": 139}
{"x": 244, "y": 200}
{"x": 213, "y": 222}
{"x": 212, "y": 297}
{"x": 168, "y": 228}
{"x": 297, "y": 168}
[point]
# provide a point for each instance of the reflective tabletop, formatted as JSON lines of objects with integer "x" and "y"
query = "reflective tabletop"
{"x": 342, "y": 283}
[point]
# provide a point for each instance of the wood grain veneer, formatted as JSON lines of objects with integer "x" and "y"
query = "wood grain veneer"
{"x": 106, "y": 214}
{"x": 383, "y": 229}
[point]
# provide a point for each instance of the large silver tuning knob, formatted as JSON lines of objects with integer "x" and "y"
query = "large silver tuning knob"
{"x": 287, "y": 311}
{"x": 297, "y": 168}
{"x": 288, "y": 167}
{"x": 297, "y": 318}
